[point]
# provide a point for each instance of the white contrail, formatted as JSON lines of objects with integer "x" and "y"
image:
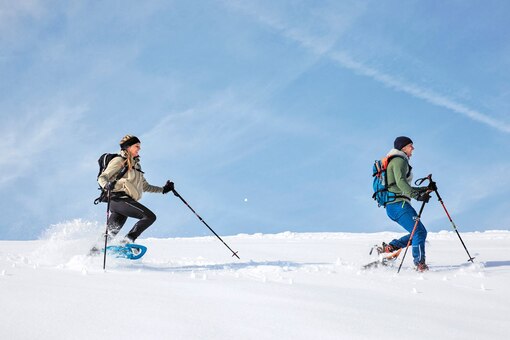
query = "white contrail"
{"x": 323, "y": 47}
{"x": 418, "y": 92}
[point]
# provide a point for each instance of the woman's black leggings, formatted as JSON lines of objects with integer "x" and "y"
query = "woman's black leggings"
{"x": 121, "y": 209}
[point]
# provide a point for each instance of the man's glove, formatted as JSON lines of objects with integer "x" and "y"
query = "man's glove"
{"x": 423, "y": 197}
{"x": 432, "y": 186}
{"x": 169, "y": 186}
{"x": 110, "y": 186}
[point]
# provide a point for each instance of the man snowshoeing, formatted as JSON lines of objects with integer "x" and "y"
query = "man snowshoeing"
{"x": 399, "y": 179}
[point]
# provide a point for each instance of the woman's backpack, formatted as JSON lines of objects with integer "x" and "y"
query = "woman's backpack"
{"x": 103, "y": 162}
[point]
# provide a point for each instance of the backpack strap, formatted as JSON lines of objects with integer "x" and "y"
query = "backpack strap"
{"x": 386, "y": 162}
{"x": 408, "y": 172}
{"x": 104, "y": 195}
{"x": 122, "y": 172}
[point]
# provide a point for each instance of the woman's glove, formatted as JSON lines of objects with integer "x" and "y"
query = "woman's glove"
{"x": 110, "y": 186}
{"x": 169, "y": 186}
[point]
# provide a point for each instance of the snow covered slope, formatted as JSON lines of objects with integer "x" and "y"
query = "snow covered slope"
{"x": 286, "y": 286}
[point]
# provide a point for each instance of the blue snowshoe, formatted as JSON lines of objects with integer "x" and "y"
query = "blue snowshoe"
{"x": 129, "y": 251}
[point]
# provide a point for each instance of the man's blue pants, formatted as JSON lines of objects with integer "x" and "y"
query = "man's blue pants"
{"x": 405, "y": 215}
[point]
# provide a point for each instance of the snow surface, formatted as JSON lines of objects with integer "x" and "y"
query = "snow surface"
{"x": 286, "y": 286}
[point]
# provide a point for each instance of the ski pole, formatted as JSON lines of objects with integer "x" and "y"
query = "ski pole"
{"x": 106, "y": 231}
{"x": 412, "y": 234}
{"x": 234, "y": 253}
{"x": 417, "y": 182}
{"x": 454, "y": 226}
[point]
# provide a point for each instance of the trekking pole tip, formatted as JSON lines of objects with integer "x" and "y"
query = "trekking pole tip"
{"x": 372, "y": 250}
{"x": 234, "y": 253}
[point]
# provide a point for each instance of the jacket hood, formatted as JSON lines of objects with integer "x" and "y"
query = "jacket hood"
{"x": 396, "y": 152}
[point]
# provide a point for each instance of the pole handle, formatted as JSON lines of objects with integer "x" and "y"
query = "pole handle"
{"x": 419, "y": 181}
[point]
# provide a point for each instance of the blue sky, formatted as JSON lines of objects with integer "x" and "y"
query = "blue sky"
{"x": 267, "y": 115}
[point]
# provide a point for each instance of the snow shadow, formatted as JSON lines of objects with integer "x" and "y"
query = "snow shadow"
{"x": 228, "y": 266}
{"x": 491, "y": 264}
{"x": 467, "y": 265}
